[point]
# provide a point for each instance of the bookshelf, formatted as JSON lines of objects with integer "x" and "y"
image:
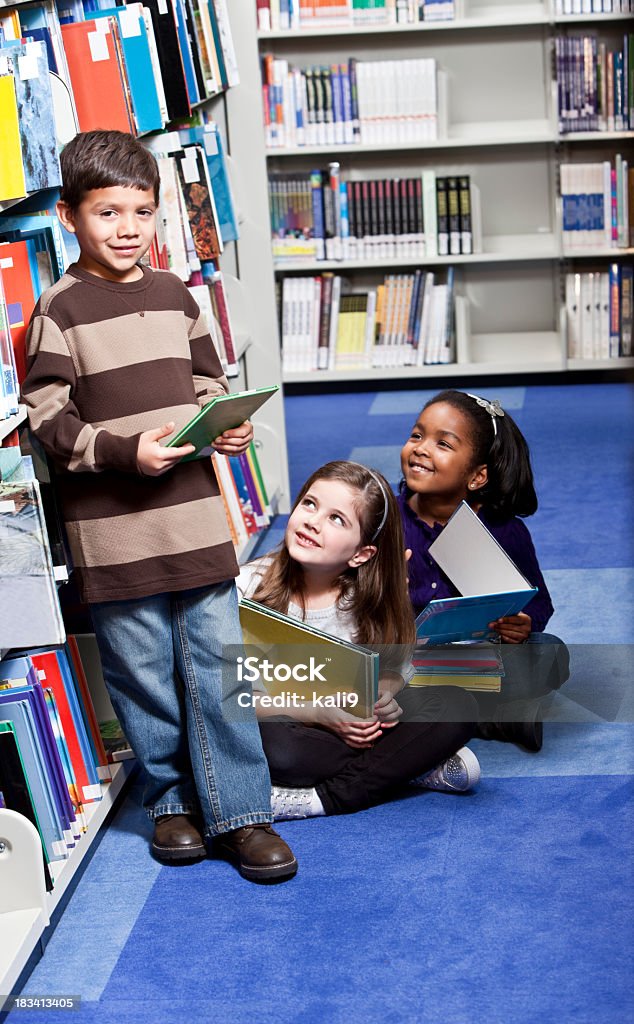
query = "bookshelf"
{"x": 498, "y": 124}
{"x": 250, "y": 296}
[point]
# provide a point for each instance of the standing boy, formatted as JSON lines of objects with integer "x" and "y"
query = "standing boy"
{"x": 115, "y": 350}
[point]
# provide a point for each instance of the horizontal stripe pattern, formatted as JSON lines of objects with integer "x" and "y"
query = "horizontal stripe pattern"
{"x": 99, "y": 375}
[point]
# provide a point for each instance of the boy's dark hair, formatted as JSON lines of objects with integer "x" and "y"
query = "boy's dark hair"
{"x": 102, "y": 159}
{"x": 509, "y": 490}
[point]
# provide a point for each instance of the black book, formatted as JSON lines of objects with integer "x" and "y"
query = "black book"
{"x": 389, "y": 210}
{"x": 464, "y": 202}
{"x": 442, "y": 216}
{"x": 453, "y": 213}
{"x": 170, "y": 59}
{"x": 396, "y": 210}
{"x": 14, "y": 787}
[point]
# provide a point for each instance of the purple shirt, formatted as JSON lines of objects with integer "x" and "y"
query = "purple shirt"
{"x": 427, "y": 581}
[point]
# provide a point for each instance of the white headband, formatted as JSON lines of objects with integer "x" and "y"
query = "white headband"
{"x": 385, "y": 499}
{"x": 493, "y": 408}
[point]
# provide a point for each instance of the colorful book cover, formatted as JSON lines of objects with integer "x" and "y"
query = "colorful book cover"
{"x": 28, "y": 594}
{"x": 170, "y": 58}
{"x": 34, "y": 99}
{"x": 12, "y": 179}
{"x": 199, "y": 202}
{"x": 138, "y": 63}
{"x": 87, "y": 708}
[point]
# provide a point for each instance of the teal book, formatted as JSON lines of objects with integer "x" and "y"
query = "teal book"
{"x": 491, "y": 584}
{"x": 223, "y": 413}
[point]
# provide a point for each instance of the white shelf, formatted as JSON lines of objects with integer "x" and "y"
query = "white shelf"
{"x": 565, "y": 19}
{"x": 596, "y": 254}
{"x": 460, "y": 136}
{"x": 421, "y": 372}
{"x": 595, "y": 136}
{"x": 500, "y": 249}
{"x": 8, "y": 426}
{"x": 524, "y": 20}
{"x": 619, "y": 363}
{"x": 21, "y": 930}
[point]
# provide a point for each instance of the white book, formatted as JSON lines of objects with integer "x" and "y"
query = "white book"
{"x": 425, "y": 317}
{"x": 334, "y": 321}
{"x": 604, "y": 324}
{"x": 587, "y": 316}
{"x": 430, "y": 224}
{"x": 228, "y": 487}
{"x": 573, "y": 315}
{"x": 369, "y": 328}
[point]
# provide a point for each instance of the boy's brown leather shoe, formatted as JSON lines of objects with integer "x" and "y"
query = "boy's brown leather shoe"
{"x": 176, "y": 837}
{"x": 260, "y": 853}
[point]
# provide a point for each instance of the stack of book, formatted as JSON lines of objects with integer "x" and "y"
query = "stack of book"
{"x": 52, "y": 758}
{"x": 276, "y": 15}
{"x": 597, "y": 201}
{"x": 473, "y": 666}
{"x": 593, "y": 85}
{"x": 599, "y": 313}
{"x": 406, "y": 321}
{"x": 367, "y": 102}
{"x": 317, "y": 215}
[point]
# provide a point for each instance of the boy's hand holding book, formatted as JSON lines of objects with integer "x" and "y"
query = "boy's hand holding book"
{"x": 232, "y": 442}
{"x": 152, "y": 458}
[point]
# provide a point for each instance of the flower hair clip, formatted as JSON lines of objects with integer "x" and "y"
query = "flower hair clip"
{"x": 493, "y": 408}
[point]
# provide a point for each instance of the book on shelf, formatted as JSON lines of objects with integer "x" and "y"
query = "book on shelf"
{"x": 593, "y": 85}
{"x": 282, "y": 15}
{"x": 15, "y": 792}
{"x": 111, "y": 735}
{"x": 319, "y": 215}
{"x": 369, "y": 102}
{"x": 9, "y": 387}
{"x": 28, "y": 594}
{"x": 98, "y": 75}
{"x": 599, "y": 313}
{"x": 407, "y": 320}
{"x": 490, "y": 583}
{"x": 223, "y": 412}
{"x": 595, "y": 200}
{"x": 289, "y": 645}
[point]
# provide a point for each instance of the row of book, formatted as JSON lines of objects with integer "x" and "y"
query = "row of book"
{"x": 53, "y": 760}
{"x": 594, "y": 85}
{"x": 358, "y": 101}
{"x": 80, "y": 66}
{"x": 408, "y": 320}
{"x": 597, "y": 200}
{"x": 599, "y": 313}
{"x": 565, "y": 7}
{"x": 282, "y": 15}
{"x": 244, "y": 495}
{"x": 317, "y": 215}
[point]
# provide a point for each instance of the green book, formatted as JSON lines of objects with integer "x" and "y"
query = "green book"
{"x": 222, "y": 413}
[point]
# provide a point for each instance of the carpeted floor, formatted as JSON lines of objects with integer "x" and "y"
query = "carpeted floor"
{"x": 510, "y": 905}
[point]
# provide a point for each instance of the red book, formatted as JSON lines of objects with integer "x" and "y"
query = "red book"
{"x": 97, "y": 77}
{"x": 222, "y": 315}
{"x": 18, "y": 289}
{"x": 49, "y": 673}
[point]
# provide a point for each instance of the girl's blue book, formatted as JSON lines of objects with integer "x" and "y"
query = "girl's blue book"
{"x": 138, "y": 62}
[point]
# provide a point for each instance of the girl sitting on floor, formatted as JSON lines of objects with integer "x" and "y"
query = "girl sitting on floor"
{"x": 341, "y": 568}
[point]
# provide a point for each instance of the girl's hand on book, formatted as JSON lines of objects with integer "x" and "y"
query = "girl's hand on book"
{"x": 235, "y": 441}
{"x": 152, "y": 459}
{"x": 387, "y": 710}
{"x": 513, "y": 629}
{"x": 356, "y": 732}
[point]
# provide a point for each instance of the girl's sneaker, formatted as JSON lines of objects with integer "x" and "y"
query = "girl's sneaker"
{"x": 289, "y": 803}
{"x": 456, "y": 775}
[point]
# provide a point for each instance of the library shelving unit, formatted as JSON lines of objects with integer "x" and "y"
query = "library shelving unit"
{"x": 500, "y": 126}
{"x": 25, "y": 908}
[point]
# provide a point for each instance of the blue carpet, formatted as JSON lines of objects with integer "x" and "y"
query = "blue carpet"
{"x": 489, "y": 907}
{"x": 511, "y": 905}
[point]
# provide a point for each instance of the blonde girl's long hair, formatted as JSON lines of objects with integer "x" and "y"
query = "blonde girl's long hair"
{"x": 375, "y": 593}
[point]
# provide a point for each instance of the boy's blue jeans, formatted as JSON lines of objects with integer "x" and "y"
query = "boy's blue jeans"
{"x": 162, "y": 660}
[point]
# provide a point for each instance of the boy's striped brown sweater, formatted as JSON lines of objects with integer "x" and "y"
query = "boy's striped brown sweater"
{"x": 107, "y": 361}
